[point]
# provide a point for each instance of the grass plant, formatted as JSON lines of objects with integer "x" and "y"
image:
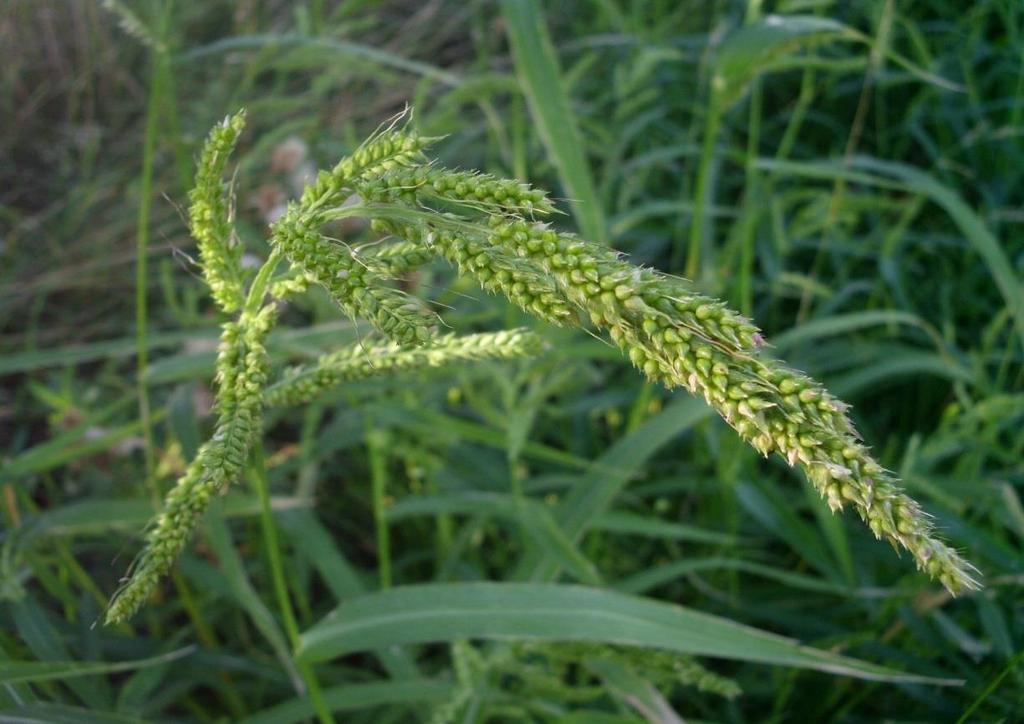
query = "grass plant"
{"x": 438, "y": 445}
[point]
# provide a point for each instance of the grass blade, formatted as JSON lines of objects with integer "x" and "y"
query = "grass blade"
{"x": 748, "y": 51}
{"x": 842, "y": 324}
{"x": 44, "y": 713}
{"x": 313, "y": 542}
{"x": 551, "y": 612}
{"x": 594, "y": 492}
{"x": 353, "y": 697}
{"x": 625, "y": 523}
{"x": 890, "y": 174}
{"x": 34, "y": 671}
{"x": 246, "y": 596}
{"x": 651, "y": 578}
{"x": 541, "y": 80}
{"x": 535, "y": 519}
{"x": 345, "y": 50}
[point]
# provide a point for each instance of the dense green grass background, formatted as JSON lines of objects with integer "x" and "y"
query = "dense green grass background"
{"x": 849, "y": 174}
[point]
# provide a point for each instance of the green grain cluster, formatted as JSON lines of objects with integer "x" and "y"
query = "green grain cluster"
{"x": 675, "y": 337}
{"x": 684, "y": 340}
{"x": 486, "y": 227}
{"x": 355, "y": 286}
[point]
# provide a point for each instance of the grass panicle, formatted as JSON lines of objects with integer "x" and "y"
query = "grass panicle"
{"x": 470, "y": 188}
{"x": 675, "y": 336}
{"x": 357, "y": 289}
{"x": 242, "y": 362}
{"x": 681, "y": 339}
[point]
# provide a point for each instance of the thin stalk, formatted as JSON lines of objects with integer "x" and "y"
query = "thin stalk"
{"x": 378, "y": 483}
{"x": 182, "y": 161}
{"x": 748, "y": 224}
{"x": 261, "y": 283}
{"x": 208, "y": 639}
{"x": 1014, "y": 662}
{"x": 291, "y": 627}
{"x": 875, "y": 64}
{"x": 158, "y": 77}
{"x": 702, "y": 192}
{"x": 797, "y": 115}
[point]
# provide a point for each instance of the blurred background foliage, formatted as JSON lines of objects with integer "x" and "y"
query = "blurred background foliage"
{"x": 849, "y": 174}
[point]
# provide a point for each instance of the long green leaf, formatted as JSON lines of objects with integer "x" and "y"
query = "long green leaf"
{"x": 841, "y": 324}
{"x": 890, "y": 174}
{"x": 535, "y": 519}
{"x": 541, "y": 80}
{"x": 899, "y": 365}
{"x": 750, "y": 50}
{"x": 593, "y": 492}
{"x": 553, "y": 612}
{"x": 651, "y": 578}
{"x": 625, "y": 523}
{"x": 344, "y": 50}
{"x": 313, "y": 542}
{"x": 245, "y": 594}
{"x": 73, "y": 354}
{"x": 24, "y": 671}
{"x": 47, "y": 713}
{"x": 770, "y": 44}
{"x": 352, "y": 697}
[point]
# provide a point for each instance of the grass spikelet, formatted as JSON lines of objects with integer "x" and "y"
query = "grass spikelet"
{"x": 210, "y": 215}
{"x": 351, "y": 283}
{"x": 385, "y": 150}
{"x": 494, "y": 270}
{"x": 241, "y": 376}
{"x": 302, "y": 384}
{"x": 131, "y": 24}
{"x": 397, "y": 258}
{"x": 683, "y": 339}
{"x": 357, "y": 289}
{"x": 479, "y": 191}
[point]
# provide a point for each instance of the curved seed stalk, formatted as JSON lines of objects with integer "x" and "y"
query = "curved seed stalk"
{"x": 486, "y": 228}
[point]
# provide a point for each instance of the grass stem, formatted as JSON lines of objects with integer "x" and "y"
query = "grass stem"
{"x": 375, "y": 443}
{"x": 158, "y": 76}
{"x": 702, "y": 192}
{"x": 273, "y": 549}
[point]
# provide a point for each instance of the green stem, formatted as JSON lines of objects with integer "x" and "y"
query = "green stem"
{"x": 156, "y": 92}
{"x": 966, "y": 716}
{"x": 261, "y": 283}
{"x": 378, "y": 481}
{"x": 182, "y": 161}
{"x": 702, "y": 192}
{"x": 745, "y": 293}
{"x": 797, "y": 115}
{"x": 208, "y": 638}
{"x": 291, "y": 627}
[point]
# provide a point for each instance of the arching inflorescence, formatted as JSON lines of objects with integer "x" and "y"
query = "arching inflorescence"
{"x": 491, "y": 230}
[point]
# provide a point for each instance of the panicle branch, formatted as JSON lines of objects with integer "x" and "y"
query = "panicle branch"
{"x": 211, "y": 215}
{"x": 303, "y": 384}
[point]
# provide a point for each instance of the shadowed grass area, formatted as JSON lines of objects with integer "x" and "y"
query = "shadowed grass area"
{"x": 847, "y": 175}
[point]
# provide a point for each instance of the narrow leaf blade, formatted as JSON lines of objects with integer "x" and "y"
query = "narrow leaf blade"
{"x": 552, "y": 612}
